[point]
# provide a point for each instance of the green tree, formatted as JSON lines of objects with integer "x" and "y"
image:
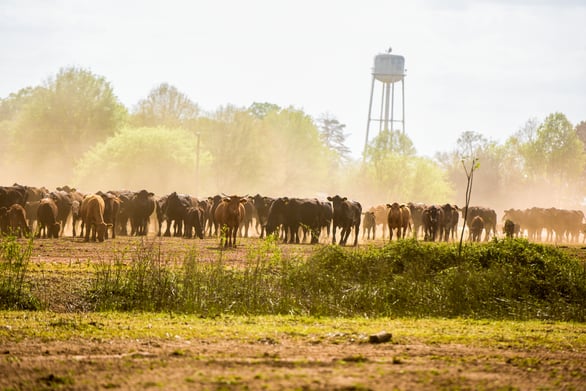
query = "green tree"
{"x": 165, "y": 106}
{"x": 581, "y": 132}
{"x": 260, "y": 110}
{"x": 231, "y": 136}
{"x": 556, "y": 153}
{"x": 158, "y": 159}
{"x": 62, "y": 119}
{"x": 333, "y": 136}
{"x": 393, "y": 172}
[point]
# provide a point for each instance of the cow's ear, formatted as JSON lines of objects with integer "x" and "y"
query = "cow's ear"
{"x": 344, "y": 199}
{"x": 330, "y": 198}
{"x": 243, "y": 200}
{"x": 151, "y": 194}
{"x": 388, "y": 205}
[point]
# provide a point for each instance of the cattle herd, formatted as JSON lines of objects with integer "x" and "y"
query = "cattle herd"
{"x": 26, "y": 210}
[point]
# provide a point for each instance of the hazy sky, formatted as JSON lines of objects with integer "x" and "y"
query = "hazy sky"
{"x": 484, "y": 66}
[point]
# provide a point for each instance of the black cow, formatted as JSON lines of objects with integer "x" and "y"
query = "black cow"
{"x": 142, "y": 207}
{"x": 262, "y": 205}
{"x": 193, "y": 222}
{"x": 432, "y": 220}
{"x": 176, "y": 211}
{"x": 346, "y": 216}
{"x": 293, "y": 213}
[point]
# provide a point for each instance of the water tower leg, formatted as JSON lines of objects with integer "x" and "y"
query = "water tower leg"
{"x": 403, "y": 101}
{"x": 393, "y": 107}
{"x": 387, "y": 96}
{"x": 369, "y": 117}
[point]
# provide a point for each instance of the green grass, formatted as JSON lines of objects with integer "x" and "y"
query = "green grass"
{"x": 49, "y": 326}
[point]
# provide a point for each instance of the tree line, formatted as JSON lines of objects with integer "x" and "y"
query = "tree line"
{"x": 73, "y": 130}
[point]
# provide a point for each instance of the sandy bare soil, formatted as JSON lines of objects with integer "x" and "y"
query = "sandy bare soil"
{"x": 328, "y": 360}
{"x": 281, "y": 364}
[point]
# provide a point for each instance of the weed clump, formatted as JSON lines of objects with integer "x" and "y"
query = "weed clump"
{"x": 15, "y": 292}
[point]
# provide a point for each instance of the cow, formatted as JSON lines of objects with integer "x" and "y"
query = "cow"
{"x": 17, "y": 220}
{"x": 77, "y": 197}
{"x": 33, "y": 196}
{"x": 176, "y": 211}
{"x": 432, "y": 219}
{"x": 262, "y": 205}
{"x": 416, "y": 216}
{"x": 160, "y": 206}
{"x": 519, "y": 219}
{"x": 450, "y": 222}
{"x": 10, "y": 195}
{"x": 48, "y": 225}
{"x": 63, "y": 201}
{"x": 92, "y": 215}
{"x": 476, "y": 227}
{"x": 488, "y": 216}
{"x": 380, "y": 217}
{"x": 368, "y": 225}
{"x": 111, "y": 211}
{"x": 194, "y": 222}
{"x": 293, "y": 214}
{"x": 142, "y": 206}
{"x": 229, "y": 215}
{"x": 346, "y": 216}
{"x": 399, "y": 218}
{"x": 213, "y": 203}
{"x": 279, "y": 215}
{"x": 509, "y": 228}
{"x": 250, "y": 214}
{"x": 3, "y": 220}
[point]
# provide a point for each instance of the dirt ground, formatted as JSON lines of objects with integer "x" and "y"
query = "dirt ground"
{"x": 282, "y": 365}
{"x": 236, "y": 362}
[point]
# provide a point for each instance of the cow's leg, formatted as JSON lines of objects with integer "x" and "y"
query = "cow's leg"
{"x": 234, "y": 232}
{"x": 334, "y": 234}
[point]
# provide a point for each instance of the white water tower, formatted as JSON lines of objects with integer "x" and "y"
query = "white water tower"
{"x": 388, "y": 69}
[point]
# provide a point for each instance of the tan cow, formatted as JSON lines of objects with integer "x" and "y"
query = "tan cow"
{"x": 229, "y": 215}
{"x": 92, "y": 217}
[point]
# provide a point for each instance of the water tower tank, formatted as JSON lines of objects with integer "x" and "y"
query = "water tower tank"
{"x": 388, "y": 68}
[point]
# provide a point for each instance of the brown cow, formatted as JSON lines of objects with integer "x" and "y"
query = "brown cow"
{"x": 92, "y": 216}
{"x": 17, "y": 220}
{"x": 399, "y": 218}
{"x": 47, "y": 219}
{"x": 476, "y": 227}
{"x": 229, "y": 215}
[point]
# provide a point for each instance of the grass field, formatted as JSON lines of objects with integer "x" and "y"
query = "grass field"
{"x": 68, "y": 345}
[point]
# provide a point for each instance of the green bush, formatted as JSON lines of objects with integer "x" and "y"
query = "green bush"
{"x": 502, "y": 279}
